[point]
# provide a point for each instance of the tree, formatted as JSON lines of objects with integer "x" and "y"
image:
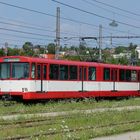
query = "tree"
{"x": 123, "y": 61}
{"x": 82, "y": 47}
{"x": 14, "y": 51}
{"x": 120, "y": 49}
{"x": 131, "y": 47}
{"x": 113, "y": 61}
{"x": 2, "y": 53}
{"x": 72, "y": 47}
{"x": 28, "y": 49}
{"x": 51, "y": 48}
{"x": 74, "y": 58}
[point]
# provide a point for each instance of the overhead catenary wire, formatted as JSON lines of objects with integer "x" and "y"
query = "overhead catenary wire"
{"x": 34, "y": 28}
{"x": 42, "y": 29}
{"x": 43, "y": 13}
{"x": 23, "y": 22}
{"x": 39, "y": 12}
{"x": 21, "y": 41}
{"x": 26, "y": 37}
{"x": 67, "y": 42}
{"x": 24, "y": 32}
{"x": 121, "y": 37}
{"x": 54, "y": 16}
{"x": 130, "y": 12}
{"x": 27, "y": 9}
{"x": 77, "y": 37}
{"x": 34, "y": 38}
{"x": 108, "y": 10}
{"x": 35, "y": 11}
{"x": 76, "y": 21}
{"x": 10, "y": 44}
{"x": 30, "y": 25}
{"x": 24, "y": 26}
{"x": 94, "y": 14}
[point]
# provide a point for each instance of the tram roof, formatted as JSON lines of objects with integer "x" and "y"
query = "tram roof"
{"x": 53, "y": 61}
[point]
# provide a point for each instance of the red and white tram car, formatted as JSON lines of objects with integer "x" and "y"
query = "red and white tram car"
{"x": 38, "y": 78}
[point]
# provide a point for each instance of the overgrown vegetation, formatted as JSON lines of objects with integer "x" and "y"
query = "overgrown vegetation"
{"x": 77, "y": 126}
{"x": 65, "y": 105}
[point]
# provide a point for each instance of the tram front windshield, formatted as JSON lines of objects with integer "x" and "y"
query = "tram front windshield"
{"x": 14, "y": 70}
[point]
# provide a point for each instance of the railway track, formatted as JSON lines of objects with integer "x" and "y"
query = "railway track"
{"x": 66, "y": 113}
{"x": 32, "y": 123}
{"x": 51, "y": 121}
{"x": 46, "y": 133}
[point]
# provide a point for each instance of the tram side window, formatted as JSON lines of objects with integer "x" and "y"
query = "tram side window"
{"x": 91, "y": 73}
{"x": 63, "y": 72}
{"x": 122, "y": 75}
{"x": 38, "y": 71}
{"x": 54, "y": 71}
{"x": 85, "y": 73}
{"x": 4, "y": 70}
{"x": 45, "y": 72}
{"x": 133, "y": 75}
{"x": 33, "y": 71}
{"x": 106, "y": 74}
{"x": 80, "y": 73}
{"x": 128, "y": 75}
{"x": 73, "y": 72}
{"x": 20, "y": 70}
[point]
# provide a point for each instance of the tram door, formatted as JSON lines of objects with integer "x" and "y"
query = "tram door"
{"x": 114, "y": 73}
{"x": 82, "y": 77}
{"x": 42, "y": 77}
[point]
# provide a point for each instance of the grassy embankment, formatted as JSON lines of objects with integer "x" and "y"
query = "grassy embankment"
{"x": 78, "y": 126}
{"x": 65, "y": 106}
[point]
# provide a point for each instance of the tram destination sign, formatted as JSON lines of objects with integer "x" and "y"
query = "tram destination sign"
{"x": 11, "y": 59}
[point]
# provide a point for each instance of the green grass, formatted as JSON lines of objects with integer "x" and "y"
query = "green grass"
{"x": 65, "y": 106}
{"x": 73, "y": 126}
{"x": 76, "y": 126}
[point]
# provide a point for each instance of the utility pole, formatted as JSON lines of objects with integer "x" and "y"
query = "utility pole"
{"x": 57, "y": 33}
{"x": 100, "y": 42}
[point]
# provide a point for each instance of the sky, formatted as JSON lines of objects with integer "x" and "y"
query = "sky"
{"x": 35, "y": 21}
